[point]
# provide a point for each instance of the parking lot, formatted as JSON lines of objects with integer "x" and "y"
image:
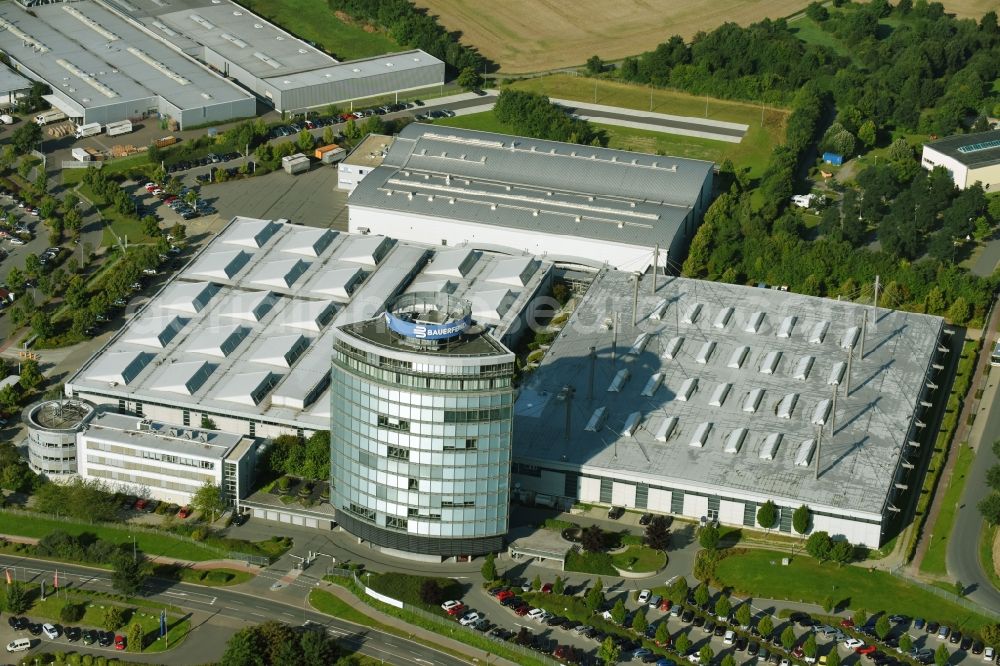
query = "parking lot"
{"x": 49, "y": 637}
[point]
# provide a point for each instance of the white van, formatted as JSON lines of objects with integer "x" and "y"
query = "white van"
{"x": 19, "y": 645}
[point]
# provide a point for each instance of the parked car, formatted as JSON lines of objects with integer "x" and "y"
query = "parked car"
{"x": 645, "y": 519}
{"x": 51, "y": 631}
{"x": 470, "y": 618}
{"x": 616, "y": 512}
{"x": 448, "y": 605}
{"x": 644, "y": 596}
{"x": 184, "y": 512}
{"x": 120, "y": 642}
{"x": 852, "y": 643}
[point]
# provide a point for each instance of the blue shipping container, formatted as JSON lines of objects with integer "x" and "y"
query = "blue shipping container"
{"x": 833, "y": 158}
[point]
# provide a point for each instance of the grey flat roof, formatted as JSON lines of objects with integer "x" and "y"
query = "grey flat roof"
{"x": 83, "y": 51}
{"x": 985, "y": 148}
{"x": 258, "y": 46}
{"x": 217, "y": 337}
{"x": 11, "y": 81}
{"x": 517, "y": 182}
{"x": 178, "y": 440}
{"x": 857, "y": 463}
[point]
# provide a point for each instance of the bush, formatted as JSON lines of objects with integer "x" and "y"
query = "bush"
{"x": 71, "y": 612}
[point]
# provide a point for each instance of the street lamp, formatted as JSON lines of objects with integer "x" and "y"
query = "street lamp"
{"x": 135, "y": 557}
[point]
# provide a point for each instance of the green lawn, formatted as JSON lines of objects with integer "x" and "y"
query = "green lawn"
{"x": 986, "y": 554}
{"x": 810, "y": 32}
{"x": 331, "y": 604}
{"x": 406, "y": 588}
{"x": 639, "y": 559}
{"x": 220, "y": 577}
{"x": 151, "y": 544}
{"x": 124, "y": 226}
{"x": 934, "y": 559}
{"x": 484, "y": 121}
{"x": 759, "y": 573}
{"x": 315, "y": 22}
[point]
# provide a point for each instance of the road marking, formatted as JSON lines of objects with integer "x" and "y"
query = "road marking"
{"x": 423, "y": 661}
{"x": 175, "y": 594}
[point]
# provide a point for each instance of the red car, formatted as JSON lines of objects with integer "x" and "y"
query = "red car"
{"x": 184, "y": 512}
{"x": 170, "y": 198}
{"x": 547, "y": 588}
{"x": 522, "y": 610}
{"x": 847, "y": 624}
{"x": 456, "y": 610}
{"x": 504, "y": 594}
{"x": 120, "y": 642}
{"x": 865, "y": 649}
{"x": 797, "y": 652}
{"x": 665, "y": 605}
{"x": 141, "y": 503}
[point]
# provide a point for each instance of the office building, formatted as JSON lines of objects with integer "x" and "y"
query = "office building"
{"x": 969, "y": 158}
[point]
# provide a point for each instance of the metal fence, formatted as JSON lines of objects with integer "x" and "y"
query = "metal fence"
{"x": 259, "y": 560}
{"x": 964, "y": 602}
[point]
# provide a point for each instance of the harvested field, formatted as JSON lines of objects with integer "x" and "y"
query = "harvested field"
{"x": 538, "y": 35}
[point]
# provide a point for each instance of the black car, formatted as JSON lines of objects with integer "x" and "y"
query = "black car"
{"x": 555, "y": 621}
{"x": 651, "y": 658}
{"x": 35, "y": 628}
{"x": 13, "y": 621}
{"x": 510, "y": 601}
{"x": 72, "y": 634}
{"x": 932, "y": 627}
{"x": 977, "y": 647}
{"x": 591, "y": 633}
{"x": 494, "y": 591}
{"x": 720, "y": 629}
{"x": 687, "y": 615}
{"x": 925, "y": 659}
{"x": 753, "y": 649}
{"x": 616, "y": 512}
{"x": 966, "y": 643}
{"x": 645, "y": 519}
{"x": 956, "y": 637}
{"x": 741, "y": 644}
{"x": 570, "y": 624}
{"x": 105, "y": 638}
{"x": 699, "y": 621}
{"x": 898, "y": 619}
{"x": 89, "y": 637}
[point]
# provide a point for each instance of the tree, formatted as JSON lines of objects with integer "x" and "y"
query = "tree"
{"x": 135, "y": 636}
{"x": 882, "y": 626}
{"x": 868, "y": 133}
{"x": 677, "y": 591}
{"x": 558, "y": 586}
{"x": 708, "y": 537}
{"x": 959, "y": 311}
{"x": 431, "y": 592}
{"x": 595, "y": 596}
{"x": 31, "y": 376}
{"x": 328, "y": 135}
{"x": 639, "y": 622}
{"x": 743, "y": 615}
{"x": 800, "y": 519}
{"x": 989, "y": 506}
{"x": 209, "y": 500}
{"x": 609, "y": 652}
{"x": 150, "y": 225}
{"x": 788, "y": 638}
{"x": 658, "y": 533}
{"x": 71, "y": 612}
{"x": 26, "y": 137}
{"x": 900, "y": 150}
{"x": 767, "y": 515}
{"x": 242, "y": 650}
{"x": 595, "y": 65}
{"x": 833, "y": 657}
{"x": 317, "y": 649}
{"x": 765, "y": 626}
{"x": 990, "y": 634}
{"x": 959, "y": 588}
{"x": 470, "y": 79}
{"x": 722, "y": 606}
{"x": 592, "y": 539}
{"x": 114, "y": 618}
{"x": 128, "y": 572}
{"x": 906, "y": 643}
{"x": 662, "y": 634}
{"x": 941, "y": 655}
{"x": 728, "y": 660}
{"x": 489, "y": 568}
{"x": 842, "y": 552}
{"x": 305, "y": 141}
{"x": 705, "y": 654}
{"x": 618, "y": 612}
{"x": 809, "y": 647}
{"x": 819, "y": 545}
{"x": 536, "y": 583}
{"x": 859, "y": 617}
{"x": 702, "y": 595}
{"x": 16, "y": 601}
{"x": 683, "y": 643}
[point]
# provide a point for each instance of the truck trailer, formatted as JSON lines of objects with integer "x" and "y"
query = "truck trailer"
{"x": 118, "y": 128}
{"x": 90, "y": 129}
{"x": 50, "y": 116}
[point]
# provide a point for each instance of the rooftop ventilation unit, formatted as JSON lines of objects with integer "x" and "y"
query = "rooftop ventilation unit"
{"x": 752, "y": 401}
{"x": 719, "y": 395}
{"x": 639, "y": 345}
{"x": 722, "y": 318}
{"x": 818, "y": 332}
{"x": 737, "y": 357}
{"x": 90, "y": 23}
{"x": 86, "y": 78}
{"x": 266, "y": 59}
{"x": 691, "y": 316}
{"x": 769, "y": 447}
{"x": 631, "y": 423}
{"x": 786, "y": 406}
{"x": 619, "y": 381}
{"x": 201, "y": 21}
{"x": 233, "y": 39}
{"x": 687, "y": 388}
{"x": 705, "y": 352}
{"x": 803, "y": 456}
{"x": 850, "y": 339}
{"x": 596, "y": 421}
{"x": 659, "y": 310}
{"x": 821, "y": 413}
{"x": 787, "y": 324}
{"x": 837, "y": 373}
{"x": 803, "y": 367}
{"x": 753, "y": 324}
{"x": 701, "y": 435}
{"x": 770, "y": 362}
{"x": 735, "y": 440}
{"x": 673, "y": 346}
{"x": 652, "y": 385}
{"x": 158, "y": 66}
{"x": 164, "y": 29}
{"x": 666, "y": 427}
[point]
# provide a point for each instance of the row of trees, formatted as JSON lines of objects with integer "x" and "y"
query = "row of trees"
{"x": 288, "y": 454}
{"x": 989, "y": 506}
{"x": 531, "y": 114}
{"x": 277, "y": 644}
{"x": 413, "y": 27}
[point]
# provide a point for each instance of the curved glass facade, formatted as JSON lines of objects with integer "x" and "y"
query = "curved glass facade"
{"x": 421, "y": 442}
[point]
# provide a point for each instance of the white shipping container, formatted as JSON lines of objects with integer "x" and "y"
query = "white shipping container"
{"x": 90, "y": 129}
{"x": 120, "y": 127}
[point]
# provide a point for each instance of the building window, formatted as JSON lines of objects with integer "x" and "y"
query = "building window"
{"x": 138, "y": 408}
{"x": 677, "y": 502}
{"x": 749, "y": 514}
{"x": 398, "y": 453}
{"x": 606, "y": 485}
{"x": 121, "y": 404}
{"x": 785, "y": 519}
{"x": 398, "y": 523}
{"x": 571, "y": 485}
{"x": 361, "y": 512}
{"x": 186, "y": 419}
{"x": 393, "y": 423}
{"x": 412, "y": 484}
{"x": 472, "y": 443}
{"x": 253, "y": 428}
{"x": 641, "y": 496}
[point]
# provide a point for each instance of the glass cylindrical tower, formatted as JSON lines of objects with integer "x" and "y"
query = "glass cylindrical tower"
{"x": 421, "y": 430}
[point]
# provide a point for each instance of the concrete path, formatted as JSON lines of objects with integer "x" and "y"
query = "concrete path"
{"x": 657, "y": 122}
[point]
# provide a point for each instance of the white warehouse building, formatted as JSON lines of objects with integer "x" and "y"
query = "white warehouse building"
{"x": 573, "y": 203}
{"x": 720, "y": 398}
{"x": 969, "y": 158}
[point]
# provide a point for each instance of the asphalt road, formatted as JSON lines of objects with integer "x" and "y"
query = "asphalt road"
{"x": 246, "y": 608}
{"x": 963, "y": 550}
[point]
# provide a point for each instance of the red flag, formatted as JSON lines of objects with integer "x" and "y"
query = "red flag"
{"x": 7, "y": 571}
{"x": 55, "y": 581}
